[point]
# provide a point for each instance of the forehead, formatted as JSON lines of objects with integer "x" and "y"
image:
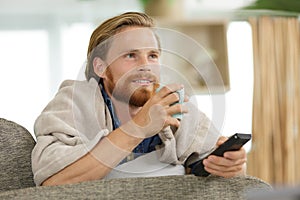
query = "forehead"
{"x": 132, "y": 38}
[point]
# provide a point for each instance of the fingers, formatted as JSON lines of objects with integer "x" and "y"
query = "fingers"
{"x": 168, "y": 89}
{"x": 158, "y": 112}
{"x": 170, "y": 111}
{"x": 171, "y": 121}
{"x": 186, "y": 98}
{"x": 233, "y": 155}
{"x": 176, "y": 108}
{"x": 169, "y": 99}
{"x": 225, "y": 170}
{"x": 232, "y": 164}
{"x": 167, "y": 95}
{"x": 238, "y": 171}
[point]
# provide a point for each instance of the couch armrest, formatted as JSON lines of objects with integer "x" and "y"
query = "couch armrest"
{"x": 166, "y": 187}
{"x": 16, "y": 144}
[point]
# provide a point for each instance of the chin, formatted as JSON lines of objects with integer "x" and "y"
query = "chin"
{"x": 140, "y": 97}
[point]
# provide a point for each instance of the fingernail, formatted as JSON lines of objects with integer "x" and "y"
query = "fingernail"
{"x": 210, "y": 158}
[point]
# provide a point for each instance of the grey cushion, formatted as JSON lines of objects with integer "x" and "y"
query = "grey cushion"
{"x": 16, "y": 144}
{"x": 167, "y": 187}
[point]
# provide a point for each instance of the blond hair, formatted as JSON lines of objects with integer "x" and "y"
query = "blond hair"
{"x": 98, "y": 45}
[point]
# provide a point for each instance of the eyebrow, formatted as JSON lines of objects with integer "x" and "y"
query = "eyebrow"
{"x": 137, "y": 50}
{"x": 156, "y": 51}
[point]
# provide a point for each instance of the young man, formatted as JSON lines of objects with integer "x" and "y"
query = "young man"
{"x": 118, "y": 114}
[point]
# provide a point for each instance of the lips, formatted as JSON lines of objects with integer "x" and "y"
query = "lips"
{"x": 143, "y": 82}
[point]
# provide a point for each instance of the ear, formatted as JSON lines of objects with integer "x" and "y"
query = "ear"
{"x": 99, "y": 66}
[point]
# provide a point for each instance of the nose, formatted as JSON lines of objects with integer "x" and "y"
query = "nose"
{"x": 144, "y": 64}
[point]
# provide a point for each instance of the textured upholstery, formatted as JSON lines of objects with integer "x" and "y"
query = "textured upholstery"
{"x": 16, "y": 145}
{"x": 16, "y": 179}
{"x": 167, "y": 187}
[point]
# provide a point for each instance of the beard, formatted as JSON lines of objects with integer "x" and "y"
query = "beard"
{"x": 125, "y": 91}
{"x": 140, "y": 96}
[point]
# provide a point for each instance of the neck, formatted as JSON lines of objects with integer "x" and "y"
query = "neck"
{"x": 124, "y": 111}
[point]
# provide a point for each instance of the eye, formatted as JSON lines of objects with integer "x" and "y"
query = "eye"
{"x": 154, "y": 56}
{"x": 130, "y": 55}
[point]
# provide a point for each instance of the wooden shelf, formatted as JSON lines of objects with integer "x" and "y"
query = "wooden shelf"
{"x": 195, "y": 54}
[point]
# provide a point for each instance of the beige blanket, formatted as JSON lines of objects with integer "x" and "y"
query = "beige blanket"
{"x": 77, "y": 118}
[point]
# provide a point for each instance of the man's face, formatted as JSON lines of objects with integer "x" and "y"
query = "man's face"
{"x": 133, "y": 66}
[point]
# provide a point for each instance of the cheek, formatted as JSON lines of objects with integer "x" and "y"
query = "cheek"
{"x": 120, "y": 71}
{"x": 116, "y": 71}
{"x": 156, "y": 70}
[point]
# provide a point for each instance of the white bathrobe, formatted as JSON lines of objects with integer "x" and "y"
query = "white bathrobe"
{"x": 77, "y": 118}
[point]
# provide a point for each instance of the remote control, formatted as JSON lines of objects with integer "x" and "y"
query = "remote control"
{"x": 234, "y": 143}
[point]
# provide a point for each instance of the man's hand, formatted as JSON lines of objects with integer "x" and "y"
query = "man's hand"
{"x": 156, "y": 114}
{"x": 232, "y": 164}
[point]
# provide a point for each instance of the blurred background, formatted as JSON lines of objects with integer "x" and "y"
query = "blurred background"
{"x": 43, "y": 42}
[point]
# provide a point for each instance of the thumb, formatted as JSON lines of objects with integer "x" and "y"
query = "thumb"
{"x": 221, "y": 140}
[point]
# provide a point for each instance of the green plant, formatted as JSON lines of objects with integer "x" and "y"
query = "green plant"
{"x": 284, "y": 5}
{"x": 145, "y": 2}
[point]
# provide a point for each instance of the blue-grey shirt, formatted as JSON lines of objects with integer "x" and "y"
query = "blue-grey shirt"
{"x": 147, "y": 145}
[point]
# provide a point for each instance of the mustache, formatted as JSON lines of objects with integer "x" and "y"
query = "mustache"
{"x": 143, "y": 75}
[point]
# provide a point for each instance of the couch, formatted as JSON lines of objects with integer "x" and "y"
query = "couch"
{"x": 16, "y": 179}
